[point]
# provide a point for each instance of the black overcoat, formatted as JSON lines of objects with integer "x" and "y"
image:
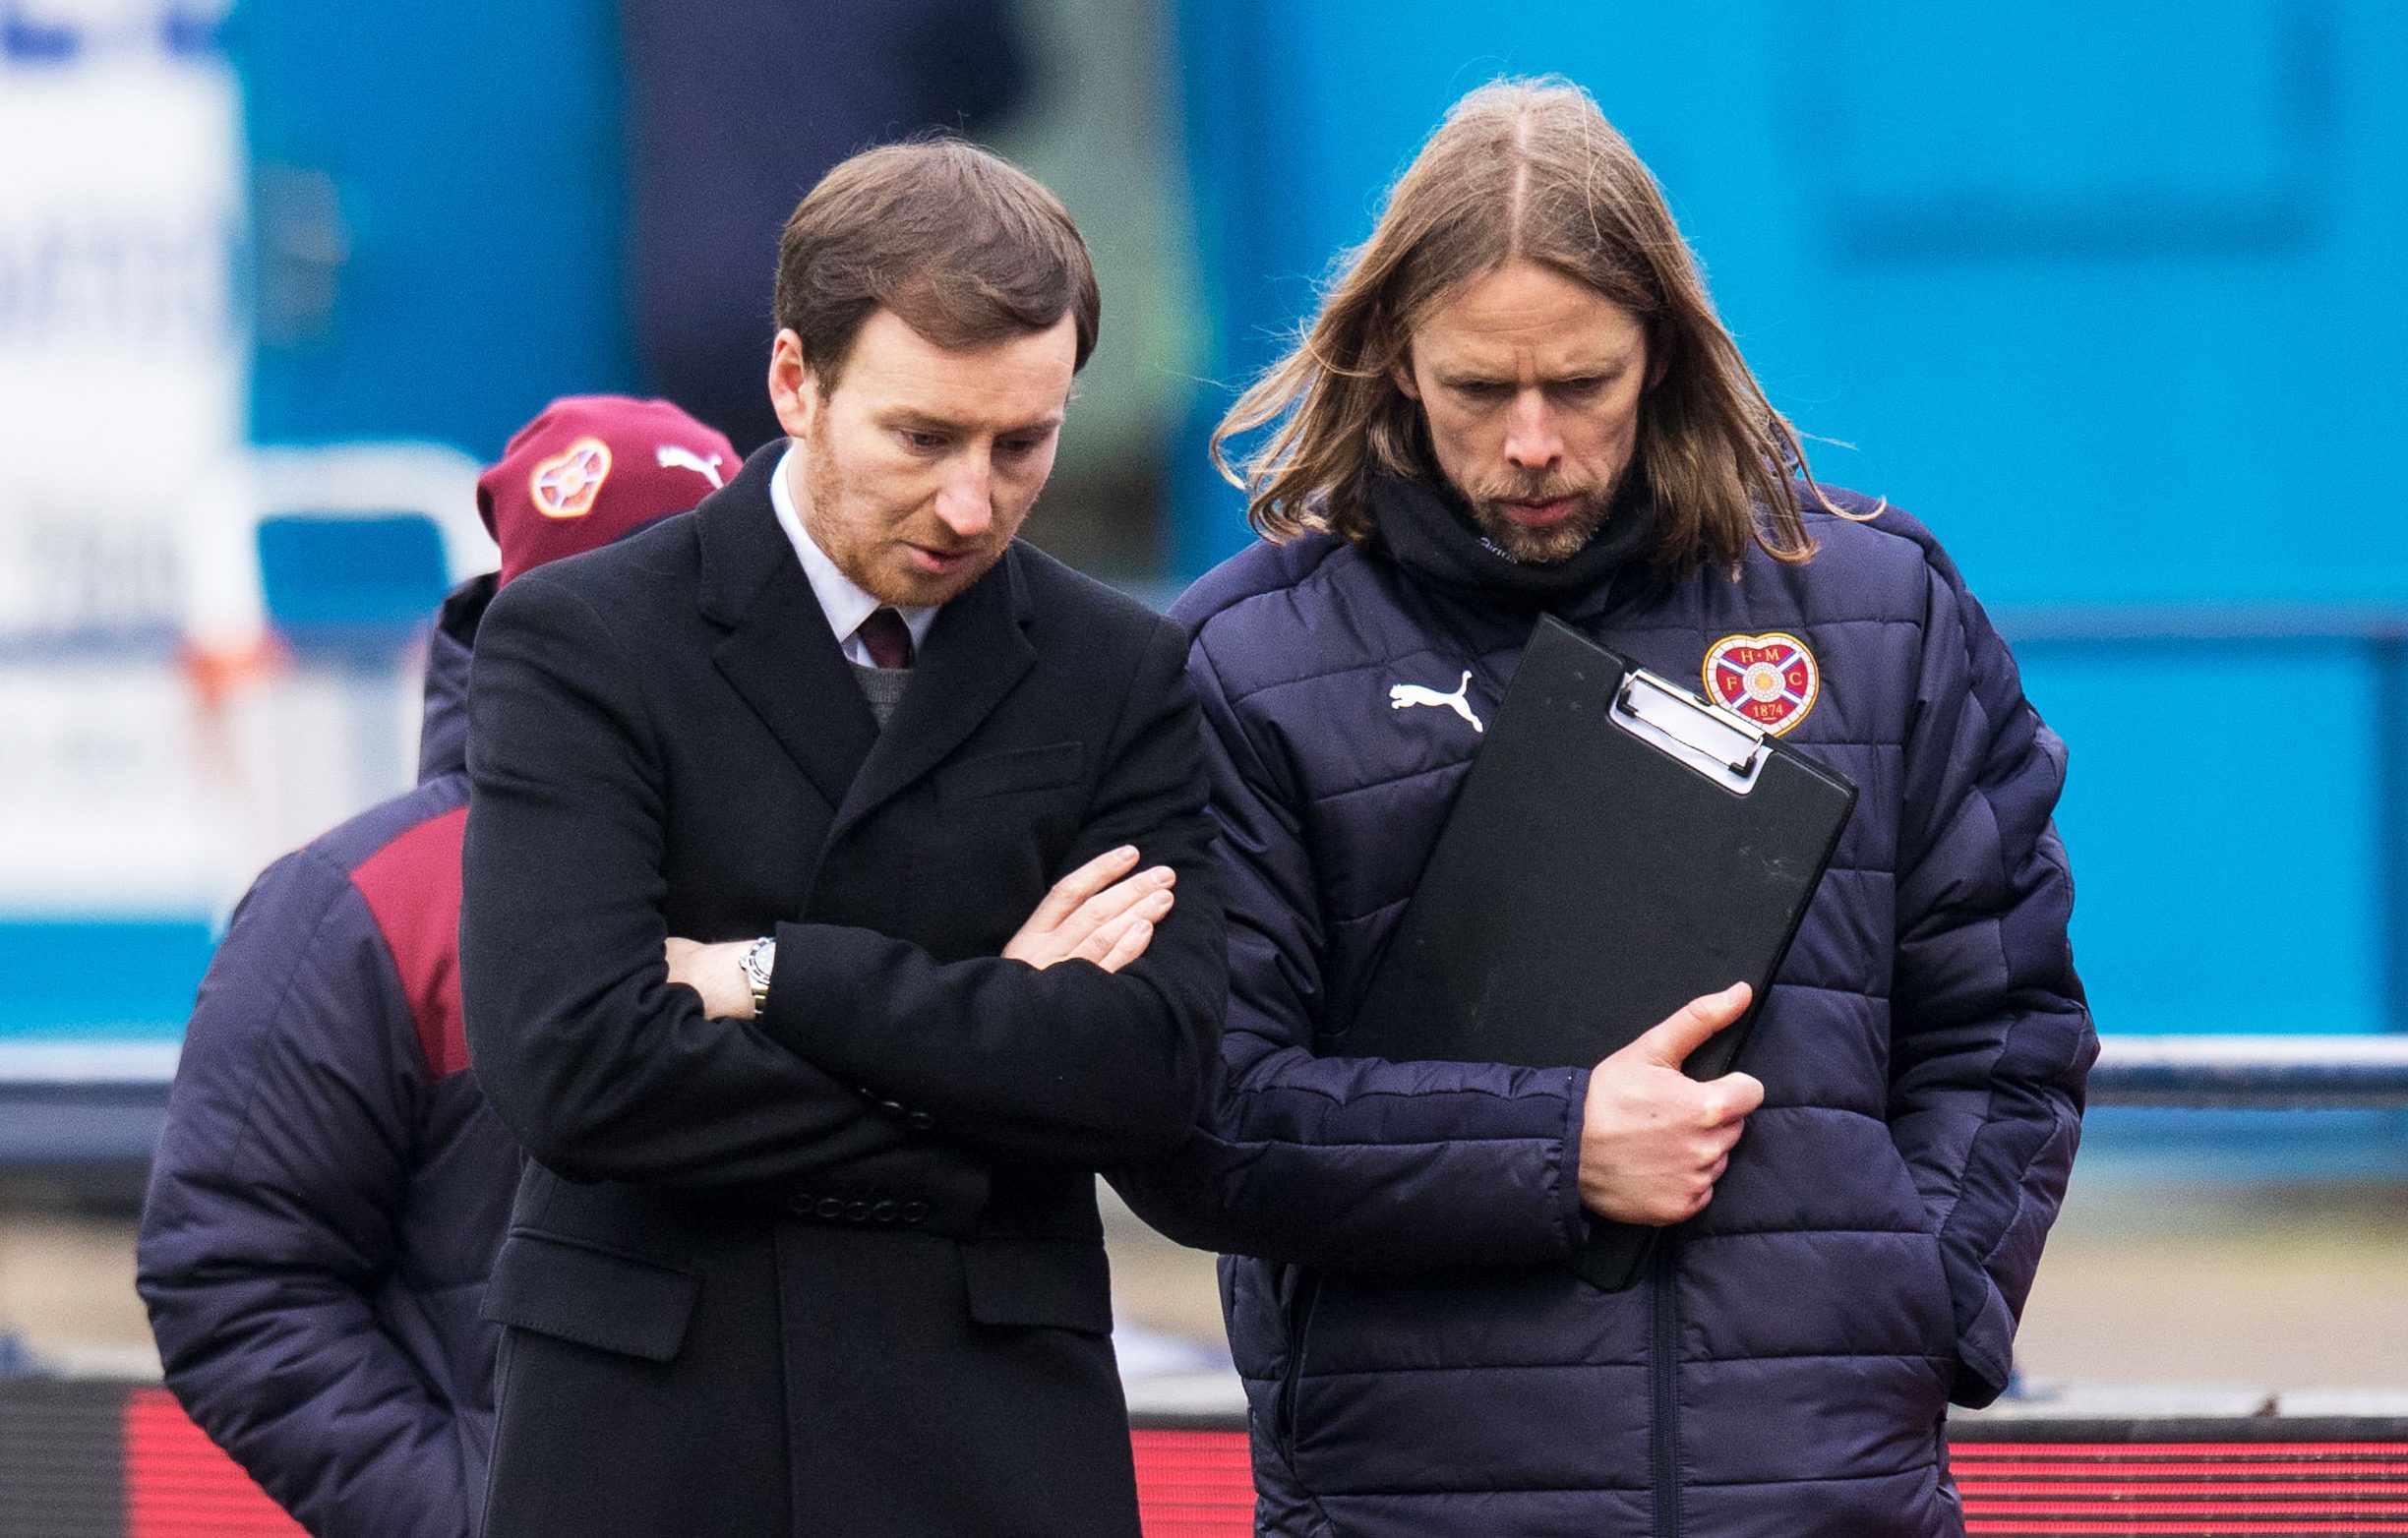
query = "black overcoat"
{"x": 837, "y": 1271}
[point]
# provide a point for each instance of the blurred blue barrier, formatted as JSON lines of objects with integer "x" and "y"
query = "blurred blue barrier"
{"x": 323, "y": 579}
{"x": 110, "y": 977}
{"x": 2253, "y": 1073}
{"x": 91, "y": 1020}
{"x": 2237, "y": 806}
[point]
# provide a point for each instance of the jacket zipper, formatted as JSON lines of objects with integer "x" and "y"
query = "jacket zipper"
{"x": 1301, "y": 1298}
{"x": 1664, "y": 1362}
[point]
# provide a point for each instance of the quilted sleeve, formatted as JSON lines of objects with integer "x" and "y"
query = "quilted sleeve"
{"x": 271, "y": 1221}
{"x": 1348, "y": 1162}
{"x": 1992, "y": 1038}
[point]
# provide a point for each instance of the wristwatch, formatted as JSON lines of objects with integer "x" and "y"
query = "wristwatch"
{"x": 759, "y": 958}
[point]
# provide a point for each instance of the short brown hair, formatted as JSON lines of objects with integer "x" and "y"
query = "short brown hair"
{"x": 963, "y": 246}
{"x": 1523, "y": 170}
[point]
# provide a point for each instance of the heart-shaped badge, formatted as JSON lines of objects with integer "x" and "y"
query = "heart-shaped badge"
{"x": 565, "y": 486}
{"x": 1770, "y": 680}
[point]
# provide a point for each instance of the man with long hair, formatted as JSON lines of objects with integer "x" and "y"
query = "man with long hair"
{"x": 1517, "y": 400}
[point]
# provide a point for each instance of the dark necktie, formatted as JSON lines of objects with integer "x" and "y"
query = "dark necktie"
{"x": 887, "y": 638}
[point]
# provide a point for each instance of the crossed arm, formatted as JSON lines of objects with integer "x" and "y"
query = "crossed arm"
{"x": 606, "y": 1068}
{"x": 1103, "y": 912}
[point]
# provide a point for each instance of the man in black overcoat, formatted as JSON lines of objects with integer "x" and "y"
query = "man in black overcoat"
{"x": 838, "y": 901}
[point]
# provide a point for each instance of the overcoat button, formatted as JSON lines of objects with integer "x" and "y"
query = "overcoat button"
{"x": 913, "y": 1212}
{"x": 857, "y": 1213}
{"x": 800, "y": 1204}
{"x": 884, "y": 1212}
{"x": 919, "y": 1121}
{"x": 830, "y": 1207}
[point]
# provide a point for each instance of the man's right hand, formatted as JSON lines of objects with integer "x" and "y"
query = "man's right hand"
{"x": 1099, "y": 913}
{"x": 1655, "y": 1141}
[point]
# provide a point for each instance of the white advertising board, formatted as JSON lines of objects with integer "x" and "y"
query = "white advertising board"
{"x": 122, "y": 355}
{"x": 122, "y": 362}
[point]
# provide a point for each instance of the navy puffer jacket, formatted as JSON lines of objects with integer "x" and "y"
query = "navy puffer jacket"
{"x": 330, "y": 1188}
{"x": 1416, "y": 1359}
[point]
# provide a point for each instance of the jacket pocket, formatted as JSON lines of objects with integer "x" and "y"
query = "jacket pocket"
{"x": 1939, "y": 1326}
{"x": 1001, "y": 774}
{"x": 599, "y": 1298}
{"x": 1051, "y": 1283}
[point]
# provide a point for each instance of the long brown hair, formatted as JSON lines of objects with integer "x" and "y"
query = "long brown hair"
{"x": 1530, "y": 170}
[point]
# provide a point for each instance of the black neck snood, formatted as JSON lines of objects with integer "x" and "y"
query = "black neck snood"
{"x": 1426, "y": 528}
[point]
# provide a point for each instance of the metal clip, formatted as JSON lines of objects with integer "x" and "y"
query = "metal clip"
{"x": 1708, "y": 738}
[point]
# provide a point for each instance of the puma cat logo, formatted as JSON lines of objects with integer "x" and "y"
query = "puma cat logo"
{"x": 1405, "y": 694}
{"x": 674, "y": 456}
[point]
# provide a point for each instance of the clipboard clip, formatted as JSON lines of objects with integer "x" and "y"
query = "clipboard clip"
{"x": 1713, "y": 741}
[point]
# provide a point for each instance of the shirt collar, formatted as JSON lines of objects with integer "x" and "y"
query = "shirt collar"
{"x": 841, "y": 599}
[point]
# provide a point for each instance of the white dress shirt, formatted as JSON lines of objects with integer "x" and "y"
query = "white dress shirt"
{"x": 841, "y": 599}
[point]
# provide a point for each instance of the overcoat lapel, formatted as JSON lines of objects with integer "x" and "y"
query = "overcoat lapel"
{"x": 778, "y": 652}
{"x": 976, "y": 651}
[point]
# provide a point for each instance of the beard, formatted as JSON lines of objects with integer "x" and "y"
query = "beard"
{"x": 824, "y": 480}
{"x": 866, "y": 548}
{"x": 1554, "y": 544}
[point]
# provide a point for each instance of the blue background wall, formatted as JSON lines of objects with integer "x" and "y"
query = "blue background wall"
{"x": 440, "y": 215}
{"x": 2107, "y": 294}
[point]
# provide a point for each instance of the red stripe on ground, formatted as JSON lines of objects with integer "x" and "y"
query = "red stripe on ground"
{"x": 179, "y": 1485}
{"x": 1960, "y": 1453}
{"x": 2139, "y": 1525}
{"x": 2159, "y": 1488}
{"x": 2172, "y": 1468}
{"x": 2386, "y": 1510}
{"x": 1194, "y": 1484}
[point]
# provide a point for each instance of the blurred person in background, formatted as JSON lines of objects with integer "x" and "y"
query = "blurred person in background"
{"x": 330, "y": 1188}
{"x": 734, "y": 110}
{"x": 1517, "y": 400}
{"x": 839, "y": 899}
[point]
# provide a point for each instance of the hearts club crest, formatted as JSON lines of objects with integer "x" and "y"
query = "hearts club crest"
{"x": 1770, "y": 680}
{"x": 565, "y": 485}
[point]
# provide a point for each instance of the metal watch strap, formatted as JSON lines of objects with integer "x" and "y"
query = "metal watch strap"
{"x": 760, "y": 960}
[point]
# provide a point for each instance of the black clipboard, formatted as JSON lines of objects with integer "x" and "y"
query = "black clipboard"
{"x": 1620, "y": 848}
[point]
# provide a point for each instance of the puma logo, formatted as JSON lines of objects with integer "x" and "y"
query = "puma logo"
{"x": 1403, "y": 694}
{"x": 673, "y": 456}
